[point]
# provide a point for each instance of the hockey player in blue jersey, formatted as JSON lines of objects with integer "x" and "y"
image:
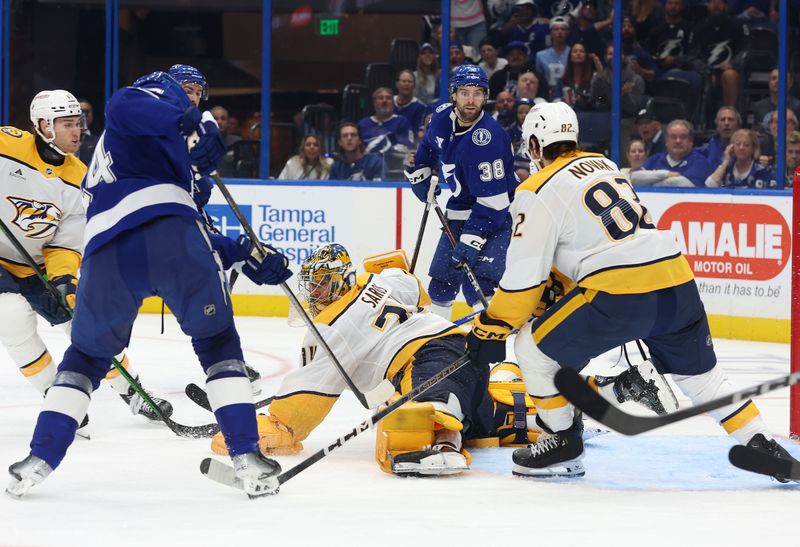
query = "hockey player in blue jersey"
{"x": 144, "y": 237}
{"x": 474, "y": 156}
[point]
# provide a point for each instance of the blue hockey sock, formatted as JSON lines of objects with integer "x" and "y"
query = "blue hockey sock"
{"x": 231, "y": 399}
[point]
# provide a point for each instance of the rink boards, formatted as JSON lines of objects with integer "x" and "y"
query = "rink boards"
{"x": 738, "y": 244}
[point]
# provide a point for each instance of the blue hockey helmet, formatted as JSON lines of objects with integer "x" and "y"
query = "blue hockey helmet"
{"x": 166, "y": 82}
{"x": 189, "y": 74}
{"x": 468, "y": 75}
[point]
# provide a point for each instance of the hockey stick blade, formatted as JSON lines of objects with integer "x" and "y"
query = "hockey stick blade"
{"x": 578, "y": 392}
{"x": 224, "y": 474}
{"x": 198, "y": 396}
{"x": 756, "y": 461}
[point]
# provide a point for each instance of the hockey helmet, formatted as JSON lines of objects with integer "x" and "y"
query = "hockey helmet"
{"x": 166, "y": 82}
{"x": 189, "y": 74}
{"x": 468, "y": 75}
{"x": 550, "y": 123}
{"x": 51, "y": 104}
{"x": 326, "y": 276}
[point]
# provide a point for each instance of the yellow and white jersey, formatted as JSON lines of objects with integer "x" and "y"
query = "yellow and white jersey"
{"x": 373, "y": 330}
{"x": 41, "y": 205}
{"x": 581, "y": 216}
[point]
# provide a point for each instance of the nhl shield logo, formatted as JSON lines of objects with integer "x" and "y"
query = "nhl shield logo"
{"x": 481, "y": 136}
{"x": 38, "y": 219}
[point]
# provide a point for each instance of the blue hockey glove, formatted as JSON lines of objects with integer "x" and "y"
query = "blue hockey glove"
{"x": 467, "y": 250}
{"x": 188, "y": 124}
{"x": 422, "y": 183}
{"x": 67, "y": 285}
{"x": 202, "y": 190}
{"x": 210, "y": 147}
{"x": 486, "y": 343}
{"x": 273, "y": 269}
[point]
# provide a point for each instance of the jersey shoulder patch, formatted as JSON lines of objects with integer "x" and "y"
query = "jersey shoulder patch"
{"x": 13, "y": 131}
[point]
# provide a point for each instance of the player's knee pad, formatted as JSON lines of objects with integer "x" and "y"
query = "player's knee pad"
{"x": 538, "y": 371}
{"x": 223, "y": 346}
{"x": 741, "y": 420}
{"x": 514, "y": 409}
{"x": 410, "y": 428}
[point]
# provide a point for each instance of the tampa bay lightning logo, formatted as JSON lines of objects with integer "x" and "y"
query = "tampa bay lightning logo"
{"x": 672, "y": 47}
{"x": 721, "y": 53}
{"x": 562, "y": 7}
{"x": 481, "y": 136}
{"x": 38, "y": 219}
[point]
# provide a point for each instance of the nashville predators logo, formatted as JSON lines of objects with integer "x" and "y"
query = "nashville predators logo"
{"x": 38, "y": 219}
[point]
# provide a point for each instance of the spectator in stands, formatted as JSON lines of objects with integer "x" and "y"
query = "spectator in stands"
{"x": 670, "y": 45}
{"x": 310, "y": 162}
{"x": 552, "y": 61}
{"x": 490, "y": 62}
{"x": 739, "y": 168}
{"x": 640, "y": 61}
{"x": 575, "y": 87}
{"x": 516, "y": 54}
{"x": 353, "y": 163}
{"x": 792, "y": 156}
{"x": 768, "y": 141}
{"x": 647, "y": 15}
{"x": 586, "y": 29}
{"x": 632, "y": 92}
{"x": 226, "y": 166}
{"x": 385, "y": 131}
{"x": 766, "y": 105}
{"x": 681, "y": 165}
{"x": 637, "y": 155}
{"x": 437, "y": 42}
{"x": 521, "y": 109}
{"x": 405, "y": 104}
{"x": 719, "y": 41}
{"x": 528, "y": 87}
{"x": 523, "y": 26}
{"x": 752, "y": 11}
{"x": 457, "y": 56}
{"x": 727, "y": 121}
{"x": 649, "y": 129}
{"x": 504, "y": 109}
{"x": 467, "y": 17}
{"x": 88, "y": 141}
{"x": 234, "y": 128}
{"x": 427, "y": 74}
{"x": 88, "y": 111}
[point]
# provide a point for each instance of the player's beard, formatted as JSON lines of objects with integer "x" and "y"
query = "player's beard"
{"x": 466, "y": 118}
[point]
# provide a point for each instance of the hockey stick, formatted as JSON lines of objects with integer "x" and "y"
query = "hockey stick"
{"x": 179, "y": 429}
{"x": 371, "y": 399}
{"x": 759, "y": 462}
{"x": 467, "y": 270}
{"x": 421, "y": 232}
{"x": 217, "y": 470}
{"x": 574, "y": 388}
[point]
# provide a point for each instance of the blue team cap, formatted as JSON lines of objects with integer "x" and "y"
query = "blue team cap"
{"x": 515, "y": 44}
{"x": 427, "y": 45}
{"x": 455, "y": 44}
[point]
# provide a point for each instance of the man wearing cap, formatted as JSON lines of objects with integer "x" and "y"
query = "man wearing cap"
{"x": 457, "y": 57}
{"x": 552, "y": 61}
{"x": 516, "y": 54}
{"x": 523, "y": 26}
{"x": 649, "y": 129}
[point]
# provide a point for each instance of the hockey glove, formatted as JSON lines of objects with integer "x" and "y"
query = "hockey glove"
{"x": 467, "y": 250}
{"x": 486, "y": 343}
{"x": 422, "y": 183}
{"x": 272, "y": 269}
{"x": 210, "y": 147}
{"x": 202, "y": 191}
{"x": 66, "y": 285}
{"x": 188, "y": 124}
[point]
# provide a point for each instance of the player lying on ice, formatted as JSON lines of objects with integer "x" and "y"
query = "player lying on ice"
{"x": 378, "y": 326}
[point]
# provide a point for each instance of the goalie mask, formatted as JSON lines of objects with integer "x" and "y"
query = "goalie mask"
{"x": 326, "y": 276}
{"x": 49, "y": 105}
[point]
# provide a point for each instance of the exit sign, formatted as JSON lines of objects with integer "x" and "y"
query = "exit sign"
{"x": 328, "y": 27}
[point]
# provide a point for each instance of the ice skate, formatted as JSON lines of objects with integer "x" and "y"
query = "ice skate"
{"x": 139, "y": 406}
{"x": 257, "y": 473}
{"x": 84, "y": 431}
{"x": 255, "y": 379}
{"x": 553, "y": 454}
{"x": 759, "y": 443}
{"x": 25, "y": 474}
{"x": 431, "y": 462}
{"x": 641, "y": 384}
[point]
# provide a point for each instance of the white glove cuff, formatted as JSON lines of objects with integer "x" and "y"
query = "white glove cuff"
{"x": 418, "y": 175}
{"x": 476, "y": 242}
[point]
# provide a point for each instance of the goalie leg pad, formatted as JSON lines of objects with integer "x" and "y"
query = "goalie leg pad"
{"x": 514, "y": 409}
{"x": 274, "y": 438}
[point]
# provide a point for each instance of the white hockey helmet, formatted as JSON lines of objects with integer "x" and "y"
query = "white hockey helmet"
{"x": 51, "y": 104}
{"x": 549, "y": 123}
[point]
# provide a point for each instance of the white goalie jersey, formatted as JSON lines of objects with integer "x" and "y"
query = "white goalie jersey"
{"x": 373, "y": 330}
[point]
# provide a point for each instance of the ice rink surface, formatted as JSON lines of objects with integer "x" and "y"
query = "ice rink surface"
{"x": 135, "y": 483}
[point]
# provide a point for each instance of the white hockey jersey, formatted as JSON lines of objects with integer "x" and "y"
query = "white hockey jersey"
{"x": 41, "y": 205}
{"x": 581, "y": 216}
{"x": 374, "y": 331}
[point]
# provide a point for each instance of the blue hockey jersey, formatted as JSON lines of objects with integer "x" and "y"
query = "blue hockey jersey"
{"x": 378, "y": 137}
{"x": 478, "y": 166}
{"x": 140, "y": 169}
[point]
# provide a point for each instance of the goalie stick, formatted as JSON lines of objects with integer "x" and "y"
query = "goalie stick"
{"x": 371, "y": 399}
{"x": 574, "y": 388}
{"x": 756, "y": 461}
{"x": 179, "y": 429}
{"x": 223, "y": 473}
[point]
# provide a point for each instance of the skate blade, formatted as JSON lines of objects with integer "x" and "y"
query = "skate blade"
{"x": 18, "y": 488}
{"x": 572, "y": 468}
{"x": 404, "y": 470}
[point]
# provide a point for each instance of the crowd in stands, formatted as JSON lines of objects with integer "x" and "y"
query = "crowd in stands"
{"x": 691, "y": 115}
